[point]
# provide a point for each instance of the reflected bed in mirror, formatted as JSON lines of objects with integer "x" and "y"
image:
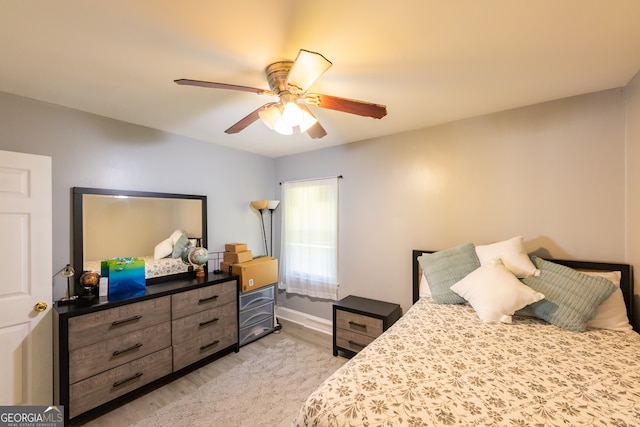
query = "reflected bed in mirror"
{"x": 116, "y": 223}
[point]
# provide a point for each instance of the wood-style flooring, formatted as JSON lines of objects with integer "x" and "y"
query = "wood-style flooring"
{"x": 147, "y": 404}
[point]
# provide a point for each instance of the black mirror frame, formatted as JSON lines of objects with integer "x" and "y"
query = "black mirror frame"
{"x": 77, "y": 224}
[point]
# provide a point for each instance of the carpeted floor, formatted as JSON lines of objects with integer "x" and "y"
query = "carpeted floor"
{"x": 264, "y": 391}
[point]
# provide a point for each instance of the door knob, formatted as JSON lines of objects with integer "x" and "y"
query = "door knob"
{"x": 41, "y": 306}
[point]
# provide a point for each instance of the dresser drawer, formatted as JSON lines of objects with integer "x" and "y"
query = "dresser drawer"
{"x": 352, "y": 340}
{"x": 208, "y": 321}
{"x": 101, "y": 388}
{"x": 104, "y": 355}
{"x": 204, "y": 345}
{"x": 201, "y": 299}
{"x": 354, "y": 322}
{"x": 103, "y": 325}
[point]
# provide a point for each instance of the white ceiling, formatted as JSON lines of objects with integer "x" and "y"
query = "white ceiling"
{"x": 428, "y": 61}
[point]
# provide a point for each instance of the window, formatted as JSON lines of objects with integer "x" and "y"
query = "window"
{"x": 309, "y": 248}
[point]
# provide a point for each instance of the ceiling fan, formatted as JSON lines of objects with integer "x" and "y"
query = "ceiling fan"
{"x": 290, "y": 82}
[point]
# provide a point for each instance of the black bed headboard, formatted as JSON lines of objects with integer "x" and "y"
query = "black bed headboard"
{"x": 626, "y": 281}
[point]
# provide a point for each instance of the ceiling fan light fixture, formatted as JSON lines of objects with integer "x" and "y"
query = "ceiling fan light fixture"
{"x": 292, "y": 114}
{"x": 308, "y": 120}
{"x": 282, "y": 128}
{"x": 290, "y": 81}
{"x": 272, "y": 118}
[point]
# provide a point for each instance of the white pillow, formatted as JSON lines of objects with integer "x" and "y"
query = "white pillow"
{"x": 163, "y": 249}
{"x": 175, "y": 236}
{"x": 612, "y": 313}
{"x": 425, "y": 291}
{"x": 495, "y": 293}
{"x": 512, "y": 254}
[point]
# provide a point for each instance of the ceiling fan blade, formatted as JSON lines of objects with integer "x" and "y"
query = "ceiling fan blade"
{"x": 306, "y": 69}
{"x": 246, "y": 120}
{"x": 316, "y": 131}
{"x": 352, "y": 106}
{"x": 214, "y": 85}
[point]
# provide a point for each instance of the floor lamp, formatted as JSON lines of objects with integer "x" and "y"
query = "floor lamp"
{"x": 260, "y": 206}
{"x": 272, "y": 206}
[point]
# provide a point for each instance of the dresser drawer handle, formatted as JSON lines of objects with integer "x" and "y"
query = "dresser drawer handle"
{"x": 203, "y": 300}
{"x": 214, "y": 320}
{"x": 133, "y": 347}
{"x": 130, "y": 319}
{"x": 356, "y": 344}
{"x": 204, "y": 347}
{"x": 126, "y": 380}
{"x": 358, "y": 325}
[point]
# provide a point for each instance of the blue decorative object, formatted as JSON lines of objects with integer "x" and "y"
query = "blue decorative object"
{"x": 125, "y": 275}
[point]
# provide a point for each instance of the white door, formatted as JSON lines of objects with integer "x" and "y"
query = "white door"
{"x": 26, "y": 362}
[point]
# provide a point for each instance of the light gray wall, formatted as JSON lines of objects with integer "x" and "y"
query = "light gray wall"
{"x": 93, "y": 151}
{"x": 553, "y": 173}
{"x": 632, "y": 93}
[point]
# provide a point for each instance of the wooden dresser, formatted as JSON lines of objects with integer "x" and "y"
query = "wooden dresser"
{"x": 110, "y": 350}
{"x": 204, "y": 321}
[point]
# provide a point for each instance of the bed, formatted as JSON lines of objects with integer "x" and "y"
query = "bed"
{"x": 441, "y": 365}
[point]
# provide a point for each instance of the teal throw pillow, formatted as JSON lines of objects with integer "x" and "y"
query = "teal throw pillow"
{"x": 445, "y": 268}
{"x": 181, "y": 244}
{"x": 571, "y": 297}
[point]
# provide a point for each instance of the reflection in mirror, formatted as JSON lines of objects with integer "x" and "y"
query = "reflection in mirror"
{"x": 114, "y": 223}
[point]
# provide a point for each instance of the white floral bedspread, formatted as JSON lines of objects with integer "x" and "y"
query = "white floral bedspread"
{"x": 439, "y": 365}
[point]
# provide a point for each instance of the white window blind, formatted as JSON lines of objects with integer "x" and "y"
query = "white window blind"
{"x": 309, "y": 247}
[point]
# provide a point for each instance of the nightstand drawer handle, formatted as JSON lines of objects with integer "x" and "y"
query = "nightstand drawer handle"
{"x": 358, "y": 325}
{"x": 356, "y": 344}
{"x": 208, "y": 322}
{"x": 203, "y": 300}
{"x": 126, "y": 380}
{"x": 204, "y": 347}
{"x": 133, "y": 347}
{"x": 130, "y": 319}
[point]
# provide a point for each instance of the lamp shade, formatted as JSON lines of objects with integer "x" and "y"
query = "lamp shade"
{"x": 272, "y": 118}
{"x": 273, "y": 204}
{"x": 259, "y": 204}
{"x": 67, "y": 271}
{"x": 270, "y": 115}
{"x": 292, "y": 115}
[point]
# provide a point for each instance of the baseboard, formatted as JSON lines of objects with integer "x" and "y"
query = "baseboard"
{"x": 308, "y": 321}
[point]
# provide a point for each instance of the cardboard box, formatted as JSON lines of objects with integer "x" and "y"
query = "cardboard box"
{"x": 235, "y": 247}
{"x": 236, "y": 257}
{"x": 226, "y": 267}
{"x": 256, "y": 273}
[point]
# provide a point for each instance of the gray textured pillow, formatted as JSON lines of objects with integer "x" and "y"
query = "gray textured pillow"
{"x": 571, "y": 297}
{"x": 445, "y": 268}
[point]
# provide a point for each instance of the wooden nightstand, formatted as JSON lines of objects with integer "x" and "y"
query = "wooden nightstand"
{"x": 358, "y": 321}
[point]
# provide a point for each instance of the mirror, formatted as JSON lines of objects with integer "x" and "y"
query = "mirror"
{"x": 115, "y": 223}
